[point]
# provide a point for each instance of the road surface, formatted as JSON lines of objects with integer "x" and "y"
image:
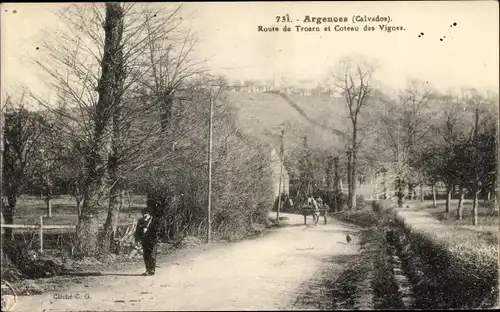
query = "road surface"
{"x": 263, "y": 273}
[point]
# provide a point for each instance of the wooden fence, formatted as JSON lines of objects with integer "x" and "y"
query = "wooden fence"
{"x": 41, "y": 227}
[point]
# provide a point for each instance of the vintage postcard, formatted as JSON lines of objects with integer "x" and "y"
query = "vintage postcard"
{"x": 249, "y": 155}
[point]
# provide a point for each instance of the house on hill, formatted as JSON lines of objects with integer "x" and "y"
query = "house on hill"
{"x": 252, "y": 86}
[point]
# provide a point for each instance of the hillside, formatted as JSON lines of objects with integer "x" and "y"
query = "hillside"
{"x": 263, "y": 114}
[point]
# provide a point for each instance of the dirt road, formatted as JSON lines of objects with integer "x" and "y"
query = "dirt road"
{"x": 264, "y": 273}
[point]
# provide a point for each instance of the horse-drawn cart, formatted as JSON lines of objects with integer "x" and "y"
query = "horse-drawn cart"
{"x": 309, "y": 210}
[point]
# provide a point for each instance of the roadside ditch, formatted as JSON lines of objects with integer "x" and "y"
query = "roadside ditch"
{"x": 401, "y": 268}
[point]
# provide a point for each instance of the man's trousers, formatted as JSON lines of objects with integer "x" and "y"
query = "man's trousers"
{"x": 149, "y": 255}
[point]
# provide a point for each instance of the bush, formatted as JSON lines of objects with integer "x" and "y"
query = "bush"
{"x": 382, "y": 205}
{"x": 19, "y": 262}
{"x": 360, "y": 203}
{"x": 362, "y": 218}
{"x": 341, "y": 201}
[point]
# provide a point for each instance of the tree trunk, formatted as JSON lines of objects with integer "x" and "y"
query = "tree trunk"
{"x": 114, "y": 165}
{"x": 400, "y": 195}
{"x": 328, "y": 173}
{"x": 122, "y": 198}
{"x": 78, "y": 206}
{"x": 48, "y": 203}
{"x": 337, "y": 183}
{"x": 111, "y": 220}
{"x": 8, "y": 214}
{"x": 475, "y": 206}
{"x": 449, "y": 190}
{"x": 353, "y": 179}
{"x": 495, "y": 202}
{"x": 349, "y": 180}
{"x": 48, "y": 197}
{"x": 87, "y": 228}
{"x": 433, "y": 196}
{"x": 116, "y": 189}
{"x": 460, "y": 204}
{"x": 421, "y": 193}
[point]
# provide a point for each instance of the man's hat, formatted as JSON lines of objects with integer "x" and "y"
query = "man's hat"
{"x": 147, "y": 210}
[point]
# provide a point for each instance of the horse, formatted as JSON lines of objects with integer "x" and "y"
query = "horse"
{"x": 312, "y": 208}
{"x": 307, "y": 210}
{"x": 323, "y": 211}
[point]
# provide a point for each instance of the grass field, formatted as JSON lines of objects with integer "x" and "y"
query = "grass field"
{"x": 64, "y": 212}
{"x": 487, "y": 216}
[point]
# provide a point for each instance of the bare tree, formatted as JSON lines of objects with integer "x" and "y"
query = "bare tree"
{"x": 354, "y": 79}
{"x": 71, "y": 173}
{"x": 109, "y": 86}
{"x": 153, "y": 48}
{"x": 23, "y": 133}
{"x": 482, "y": 141}
{"x": 405, "y": 128}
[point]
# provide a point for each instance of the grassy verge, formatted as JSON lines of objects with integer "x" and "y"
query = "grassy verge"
{"x": 369, "y": 277}
{"x": 452, "y": 271}
{"x": 338, "y": 287}
{"x": 487, "y": 215}
{"x": 450, "y": 268}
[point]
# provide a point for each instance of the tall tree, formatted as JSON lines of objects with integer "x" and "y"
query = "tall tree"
{"x": 154, "y": 60}
{"x": 108, "y": 87}
{"x": 354, "y": 79}
{"x": 481, "y": 164}
{"x": 405, "y": 129}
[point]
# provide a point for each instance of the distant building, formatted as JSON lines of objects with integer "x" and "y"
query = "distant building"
{"x": 237, "y": 88}
{"x": 301, "y": 88}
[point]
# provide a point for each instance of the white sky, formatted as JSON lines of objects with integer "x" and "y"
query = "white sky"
{"x": 468, "y": 56}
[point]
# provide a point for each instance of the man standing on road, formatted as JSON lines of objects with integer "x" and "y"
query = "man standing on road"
{"x": 146, "y": 233}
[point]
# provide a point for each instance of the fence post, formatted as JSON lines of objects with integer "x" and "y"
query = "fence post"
{"x": 41, "y": 234}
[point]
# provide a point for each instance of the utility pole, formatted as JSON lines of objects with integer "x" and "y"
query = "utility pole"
{"x": 475, "y": 188}
{"x": 497, "y": 188}
{"x": 497, "y": 180}
{"x": 282, "y": 159}
{"x": 2, "y": 121}
{"x": 209, "y": 224}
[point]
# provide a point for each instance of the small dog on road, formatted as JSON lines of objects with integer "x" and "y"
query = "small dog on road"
{"x": 348, "y": 238}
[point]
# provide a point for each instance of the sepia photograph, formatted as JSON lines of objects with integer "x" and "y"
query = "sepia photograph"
{"x": 239, "y": 156}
